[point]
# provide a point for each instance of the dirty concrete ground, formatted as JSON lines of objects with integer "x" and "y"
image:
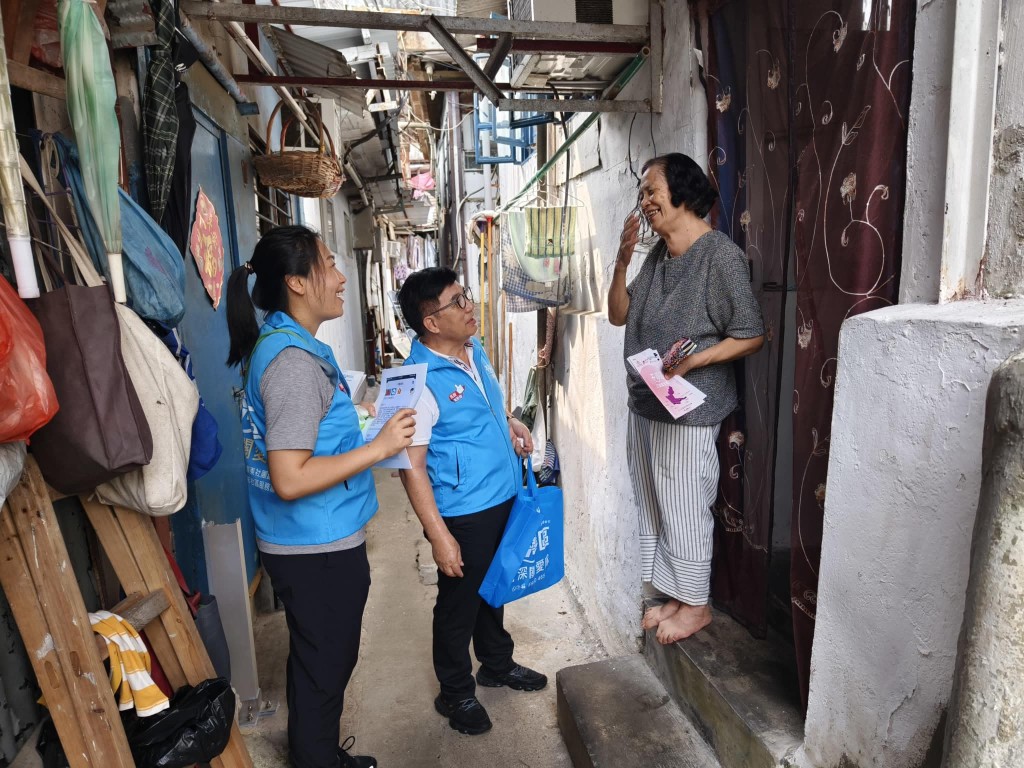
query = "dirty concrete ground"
{"x": 389, "y": 703}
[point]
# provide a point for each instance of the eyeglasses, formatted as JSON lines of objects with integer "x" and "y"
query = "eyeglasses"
{"x": 461, "y": 301}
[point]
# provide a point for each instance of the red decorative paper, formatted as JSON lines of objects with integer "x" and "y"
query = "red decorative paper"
{"x": 208, "y": 247}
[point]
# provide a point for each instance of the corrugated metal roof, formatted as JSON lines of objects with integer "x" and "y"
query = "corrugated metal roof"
{"x": 301, "y": 57}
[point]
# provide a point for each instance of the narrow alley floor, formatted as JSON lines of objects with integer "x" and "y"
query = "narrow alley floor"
{"x": 389, "y": 703}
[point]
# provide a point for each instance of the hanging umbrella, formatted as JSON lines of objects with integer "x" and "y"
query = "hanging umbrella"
{"x": 160, "y": 113}
{"x": 12, "y": 193}
{"x": 90, "y": 96}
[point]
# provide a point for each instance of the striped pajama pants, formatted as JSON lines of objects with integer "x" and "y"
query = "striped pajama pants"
{"x": 674, "y": 469}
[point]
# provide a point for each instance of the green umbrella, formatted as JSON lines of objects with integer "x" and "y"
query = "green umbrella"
{"x": 12, "y": 194}
{"x": 90, "y": 96}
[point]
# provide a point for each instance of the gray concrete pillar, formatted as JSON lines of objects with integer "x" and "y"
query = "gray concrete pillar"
{"x": 1004, "y": 247}
{"x": 986, "y": 716}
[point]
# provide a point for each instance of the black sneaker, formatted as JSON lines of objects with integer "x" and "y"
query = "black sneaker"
{"x": 467, "y": 716}
{"x": 354, "y": 761}
{"x": 519, "y": 678}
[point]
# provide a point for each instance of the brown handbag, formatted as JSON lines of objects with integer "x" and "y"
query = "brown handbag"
{"x": 100, "y": 430}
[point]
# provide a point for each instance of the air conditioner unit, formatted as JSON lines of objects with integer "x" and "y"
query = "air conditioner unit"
{"x": 581, "y": 11}
{"x": 535, "y": 70}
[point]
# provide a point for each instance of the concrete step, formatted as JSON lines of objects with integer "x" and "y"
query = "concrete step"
{"x": 616, "y": 714}
{"x": 740, "y": 692}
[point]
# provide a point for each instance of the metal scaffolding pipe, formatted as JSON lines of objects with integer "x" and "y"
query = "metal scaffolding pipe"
{"x": 209, "y": 58}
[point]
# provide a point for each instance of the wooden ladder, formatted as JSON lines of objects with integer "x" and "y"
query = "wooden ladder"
{"x": 36, "y": 575}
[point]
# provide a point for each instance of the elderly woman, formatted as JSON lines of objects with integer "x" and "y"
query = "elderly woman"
{"x": 693, "y": 284}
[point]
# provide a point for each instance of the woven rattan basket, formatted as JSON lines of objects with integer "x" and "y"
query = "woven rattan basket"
{"x": 300, "y": 171}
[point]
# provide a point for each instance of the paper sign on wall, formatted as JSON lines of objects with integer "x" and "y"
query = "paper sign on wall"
{"x": 208, "y": 247}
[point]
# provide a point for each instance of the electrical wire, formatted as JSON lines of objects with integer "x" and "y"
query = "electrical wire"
{"x": 629, "y": 149}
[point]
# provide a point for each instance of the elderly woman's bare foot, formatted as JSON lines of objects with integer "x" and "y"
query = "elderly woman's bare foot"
{"x": 688, "y": 620}
{"x": 654, "y": 616}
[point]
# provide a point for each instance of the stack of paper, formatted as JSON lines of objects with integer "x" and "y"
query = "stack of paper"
{"x": 677, "y": 394}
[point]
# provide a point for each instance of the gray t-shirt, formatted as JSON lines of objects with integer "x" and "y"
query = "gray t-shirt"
{"x": 703, "y": 295}
{"x": 297, "y": 393}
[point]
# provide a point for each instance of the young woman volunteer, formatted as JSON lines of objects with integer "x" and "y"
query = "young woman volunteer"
{"x": 310, "y": 488}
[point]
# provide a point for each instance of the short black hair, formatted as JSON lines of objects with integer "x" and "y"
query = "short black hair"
{"x": 686, "y": 182}
{"x": 420, "y": 293}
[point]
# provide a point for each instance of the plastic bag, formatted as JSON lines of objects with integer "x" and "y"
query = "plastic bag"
{"x": 27, "y": 399}
{"x": 195, "y": 729}
{"x": 531, "y": 555}
{"x": 12, "y": 464}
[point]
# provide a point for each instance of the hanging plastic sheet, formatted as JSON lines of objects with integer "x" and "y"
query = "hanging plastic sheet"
{"x": 91, "y": 95}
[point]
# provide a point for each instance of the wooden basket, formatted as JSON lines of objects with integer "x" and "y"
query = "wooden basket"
{"x": 302, "y": 172}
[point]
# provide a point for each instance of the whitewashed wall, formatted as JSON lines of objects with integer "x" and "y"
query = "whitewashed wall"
{"x": 589, "y": 423}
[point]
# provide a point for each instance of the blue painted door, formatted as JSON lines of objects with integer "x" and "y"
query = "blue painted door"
{"x": 221, "y": 495}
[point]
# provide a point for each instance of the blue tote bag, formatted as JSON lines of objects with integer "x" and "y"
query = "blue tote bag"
{"x": 154, "y": 271}
{"x": 531, "y": 556}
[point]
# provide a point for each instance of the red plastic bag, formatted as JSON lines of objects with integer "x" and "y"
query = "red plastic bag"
{"x": 27, "y": 399}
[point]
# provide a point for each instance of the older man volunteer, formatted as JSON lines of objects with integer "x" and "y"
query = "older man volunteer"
{"x": 465, "y": 475}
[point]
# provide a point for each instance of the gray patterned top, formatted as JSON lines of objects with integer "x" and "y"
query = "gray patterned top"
{"x": 704, "y": 295}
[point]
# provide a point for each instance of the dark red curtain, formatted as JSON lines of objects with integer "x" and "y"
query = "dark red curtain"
{"x": 749, "y": 161}
{"x": 812, "y": 104}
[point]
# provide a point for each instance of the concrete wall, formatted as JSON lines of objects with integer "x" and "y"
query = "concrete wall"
{"x": 904, "y": 477}
{"x": 345, "y": 335}
{"x": 1004, "y": 251}
{"x": 589, "y": 423}
{"x": 927, "y": 145}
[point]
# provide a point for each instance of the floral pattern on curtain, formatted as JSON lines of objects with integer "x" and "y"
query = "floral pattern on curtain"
{"x": 807, "y": 141}
{"x": 749, "y": 161}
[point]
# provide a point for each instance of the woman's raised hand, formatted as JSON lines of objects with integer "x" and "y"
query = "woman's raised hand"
{"x": 397, "y": 433}
{"x": 628, "y": 239}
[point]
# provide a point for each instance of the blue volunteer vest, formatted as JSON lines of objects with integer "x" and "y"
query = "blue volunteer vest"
{"x": 470, "y": 459}
{"x": 321, "y": 517}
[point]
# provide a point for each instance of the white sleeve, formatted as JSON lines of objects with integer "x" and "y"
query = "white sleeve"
{"x": 427, "y": 414}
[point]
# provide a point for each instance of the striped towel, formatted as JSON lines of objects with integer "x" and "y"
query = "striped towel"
{"x": 130, "y": 665}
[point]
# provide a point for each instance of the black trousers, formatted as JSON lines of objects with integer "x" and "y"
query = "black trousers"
{"x": 461, "y": 615}
{"x": 324, "y": 596}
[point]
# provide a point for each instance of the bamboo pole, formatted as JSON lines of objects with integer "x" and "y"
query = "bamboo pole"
{"x": 493, "y": 332}
{"x": 483, "y": 295}
{"x": 508, "y": 380}
{"x": 12, "y": 194}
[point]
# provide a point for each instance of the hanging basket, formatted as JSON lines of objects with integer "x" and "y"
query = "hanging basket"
{"x": 303, "y": 172}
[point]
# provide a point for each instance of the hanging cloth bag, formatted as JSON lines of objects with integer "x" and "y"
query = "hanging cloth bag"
{"x": 100, "y": 430}
{"x": 154, "y": 270}
{"x": 531, "y": 555}
{"x": 170, "y": 401}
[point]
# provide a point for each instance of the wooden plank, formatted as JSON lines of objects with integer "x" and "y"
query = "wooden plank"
{"x": 20, "y": 47}
{"x": 122, "y": 558}
{"x": 28, "y": 615}
{"x": 61, "y": 601}
{"x": 139, "y": 610}
{"x": 35, "y": 80}
{"x": 177, "y": 620}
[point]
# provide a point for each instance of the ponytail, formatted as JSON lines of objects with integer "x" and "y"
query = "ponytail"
{"x": 242, "y": 327}
{"x": 283, "y": 251}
